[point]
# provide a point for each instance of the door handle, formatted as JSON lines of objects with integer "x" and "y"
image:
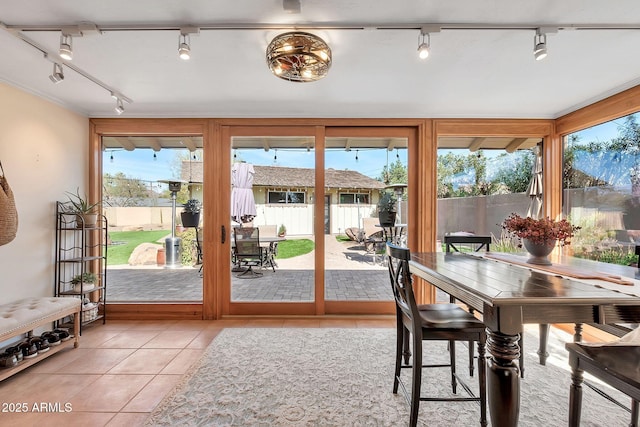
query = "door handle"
{"x": 224, "y": 234}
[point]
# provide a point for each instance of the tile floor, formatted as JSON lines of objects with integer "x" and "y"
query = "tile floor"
{"x": 123, "y": 369}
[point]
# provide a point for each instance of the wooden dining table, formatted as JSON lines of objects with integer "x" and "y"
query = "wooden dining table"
{"x": 509, "y": 296}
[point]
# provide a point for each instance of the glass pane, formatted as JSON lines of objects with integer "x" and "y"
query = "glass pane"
{"x": 601, "y": 183}
{"x": 276, "y": 176}
{"x": 481, "y": 181}
{"x": 150, "y": 248}
{"x": 358, "y": 171}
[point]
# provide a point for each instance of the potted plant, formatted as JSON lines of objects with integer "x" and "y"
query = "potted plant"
{"x": 539, "y": 236}
{"x": 84, "y": 282}
{"x": 86, "y": 213}
{"x": 387, "y": 208}
{"x": 191, "y": 213}
{"x": 282, "y": 231}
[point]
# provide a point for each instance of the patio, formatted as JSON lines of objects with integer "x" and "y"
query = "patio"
{"x": 354, "y": 275}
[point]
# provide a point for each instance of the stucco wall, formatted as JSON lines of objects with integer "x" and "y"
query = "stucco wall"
{"x": 44, "y": 152}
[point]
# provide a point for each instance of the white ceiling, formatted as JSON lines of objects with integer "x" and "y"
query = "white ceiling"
{"x": 375, "y": 73}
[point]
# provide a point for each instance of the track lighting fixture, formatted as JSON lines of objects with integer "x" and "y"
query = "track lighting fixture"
{"x": 356, "y": 155}
{"x": 66, "y": 47}
{"x": 111, "y": 158}
{"x": 424, "y": 45}
{"x": 424, "y": 40}
{"x": 540, "y": 45}
{"x": 184, "y": 48}
{"x": 119, "y": 106}
{"x": 155, "y": 157}
{"x": 57, "y": 75}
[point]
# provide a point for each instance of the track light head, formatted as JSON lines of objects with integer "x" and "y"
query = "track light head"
{"x": 184, "y": 50}
{"x": 423, "y": 51}
{"x": 119, "y": 106}
{"x": 57, "y": 75}
{"x": 539, "y": 45}
{"x": 66, "y": 47}
{"x": 424, "y": 40}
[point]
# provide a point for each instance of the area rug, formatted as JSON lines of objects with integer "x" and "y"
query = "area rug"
{"x": 343, "y": 377}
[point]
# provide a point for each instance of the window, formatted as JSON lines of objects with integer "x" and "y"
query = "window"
{"x": 354, "y": 198}
{"x": 286, "y": 197}
{"x": 601, "y": 190}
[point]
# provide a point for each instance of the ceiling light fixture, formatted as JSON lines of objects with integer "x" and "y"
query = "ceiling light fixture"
{"x": 119, "y": 106}
{"x": 540, "y": 45}
{"x": 184, "y": 49}
{"x": 299, "y": 57}
{"x": 184, "y": 42}
{"x": 424, "y": 40}
{"x": 57, "y": 75}
{"x": 66, "y": 47}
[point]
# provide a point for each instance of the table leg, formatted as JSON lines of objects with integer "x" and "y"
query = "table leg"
{"x": 542, "y": 350}
{"x": 503, "y": 379}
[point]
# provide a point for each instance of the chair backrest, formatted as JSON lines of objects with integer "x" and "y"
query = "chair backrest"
{"x": 401, "y": 283}
{"x": 247, "y": 241}
{"x": 467, "y": 239}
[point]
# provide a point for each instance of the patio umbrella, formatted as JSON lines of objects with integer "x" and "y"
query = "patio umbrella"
{"x": 535, "y": 187}
{"x": 243, "y": 205}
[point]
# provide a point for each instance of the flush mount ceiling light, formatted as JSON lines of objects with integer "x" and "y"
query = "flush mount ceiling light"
{"x": 57, "y": 75}
{"x": 299, "y": 57}
{"x": 291, "y": 6}
{"x": 66, "y": 47}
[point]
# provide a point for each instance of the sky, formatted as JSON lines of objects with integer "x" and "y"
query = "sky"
{"x": 140, "y": 164}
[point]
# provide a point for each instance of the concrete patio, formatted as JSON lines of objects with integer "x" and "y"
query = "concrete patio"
{"x": 352, "y": 274}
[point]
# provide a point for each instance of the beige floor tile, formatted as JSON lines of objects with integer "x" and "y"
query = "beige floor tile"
{"x": 190, "y": 325}
{"x": 145, "y": 361}
{"x": 94, "y": 337}
{"x": 183, "y": 361}
{"x": 152, "y": 393}
{"x": 49, "y": 419}
{"x": 31, "y": 387}
{"x": 172, "y": 339}
{"x": 128, "y": 419}
{"x": 96, "y": 361}
{"x": 130, "y": 339}
{"x": 265, "y": 323}
{"x": 56, "y": 362}
{"x": 377, "y": 323}
{"x": 204, "y": 338}
{"x": 109, "y": 393}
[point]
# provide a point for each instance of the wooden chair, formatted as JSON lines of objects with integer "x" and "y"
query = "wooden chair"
{"x": 248, "y": 251}
{"x": 615, "y": 365}
{"x": 427, "y": 322}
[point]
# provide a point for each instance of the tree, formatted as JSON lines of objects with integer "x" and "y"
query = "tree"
{"x": 120, "y": 190}
{"x": 396, "y": 173}
{"x": 514, "y": 176}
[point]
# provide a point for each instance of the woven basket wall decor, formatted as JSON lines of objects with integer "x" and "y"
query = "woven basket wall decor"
{"x": 8, "y": 211}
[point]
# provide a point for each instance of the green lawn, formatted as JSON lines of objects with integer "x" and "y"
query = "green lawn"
{"x": 293, "y": 248}
{"x": 127, "y": 242}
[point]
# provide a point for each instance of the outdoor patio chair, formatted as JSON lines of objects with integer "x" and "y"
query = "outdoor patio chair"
{"x": 430, "y": 322}
{"x": 199, "y": 249}
{"x": 248, "y": 252}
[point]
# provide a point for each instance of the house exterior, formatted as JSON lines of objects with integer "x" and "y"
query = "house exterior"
{"x": 286, "y": 196}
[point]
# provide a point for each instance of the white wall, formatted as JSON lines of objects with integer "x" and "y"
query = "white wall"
{"x": 44, "y": 152}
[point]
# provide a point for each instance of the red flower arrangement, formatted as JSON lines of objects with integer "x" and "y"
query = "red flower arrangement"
{"x": 544, "y": 231}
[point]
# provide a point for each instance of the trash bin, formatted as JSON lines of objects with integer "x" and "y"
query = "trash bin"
{"x": 173, "y": 245}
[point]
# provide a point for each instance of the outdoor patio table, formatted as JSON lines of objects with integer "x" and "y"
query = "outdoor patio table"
{"x": 509, "y": 296}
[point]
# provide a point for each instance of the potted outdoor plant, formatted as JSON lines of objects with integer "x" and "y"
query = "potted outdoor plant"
{"x": 86, "y": 213}
{"x": 387, "y": 208}
{"x": 191, "y": 213}
{"x": 539, "y": 236}
{"x": 84, "y": 282}
{"x": 282, "y": 231}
